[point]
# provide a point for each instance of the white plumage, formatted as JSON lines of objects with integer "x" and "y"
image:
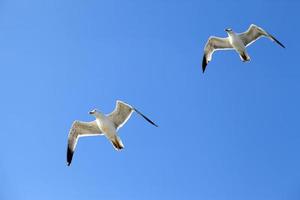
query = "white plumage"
{"x": 106, "y": 125}
{"x": 237, "y": 42}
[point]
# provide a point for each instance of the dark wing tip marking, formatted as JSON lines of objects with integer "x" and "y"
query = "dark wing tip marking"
{"x": 69, "y": 156}
{"x": 204, "y": 63}
{"x": 277, "y": 41}
{"x": 146, "y": 118}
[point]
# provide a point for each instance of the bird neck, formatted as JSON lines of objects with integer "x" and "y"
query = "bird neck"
{"x": 231, "y": 34}
{"x": 99, "y": 116}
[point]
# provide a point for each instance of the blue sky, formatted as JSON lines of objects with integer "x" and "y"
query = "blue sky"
{"x": 232, "y": 133}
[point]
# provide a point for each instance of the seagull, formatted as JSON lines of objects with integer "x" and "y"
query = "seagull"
{"x": 106, "y": 125}
{"x": 235, "y": 41}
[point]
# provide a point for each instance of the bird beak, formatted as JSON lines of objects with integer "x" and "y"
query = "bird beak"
{"x": 91, "y": 112}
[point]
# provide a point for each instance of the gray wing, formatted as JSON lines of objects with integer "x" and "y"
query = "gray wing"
{"x": 254, "y": 33}
{"x": 122, "y": 113}
{"x": 80, "y": 129}
{"x": 214, "y": 44}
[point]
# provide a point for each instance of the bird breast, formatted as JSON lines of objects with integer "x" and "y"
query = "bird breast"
{"x": 106, "y": 126}
{"x": 236, "y": 42}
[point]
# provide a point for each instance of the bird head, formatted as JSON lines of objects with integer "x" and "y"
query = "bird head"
{"x": 93, "y": 112}
{"x": 228, "y": 30}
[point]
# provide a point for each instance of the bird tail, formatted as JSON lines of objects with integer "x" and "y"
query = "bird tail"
{"x": 117, "y": 143}
{"x": 245, "y": 57}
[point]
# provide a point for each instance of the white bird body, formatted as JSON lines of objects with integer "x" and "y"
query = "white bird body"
{"x": 106, "y": 125}
{"x": 238, "y": 42}
{"x": 238, "y": 45}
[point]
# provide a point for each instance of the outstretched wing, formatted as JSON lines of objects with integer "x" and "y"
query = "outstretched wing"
{"x": 253, "y": 33}
{"x": 121, "y": 114}
{"x": 146, "y": 118}
{"x": 214, "y": 44}
{"x": 80, "y": 129}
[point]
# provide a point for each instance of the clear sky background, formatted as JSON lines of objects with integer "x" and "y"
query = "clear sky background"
{"x": 231, "y": 133}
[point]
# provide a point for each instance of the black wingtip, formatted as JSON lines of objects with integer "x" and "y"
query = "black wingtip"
{"x": 69, "y": 156}
{"x": 155, "y": 124}
{"x": 151, "y": 122}
{"x": 204, "y": 63}
{"x": 281, "y": 45}
{"x": 277, "y": 41}
{"x": 146, "y": 118}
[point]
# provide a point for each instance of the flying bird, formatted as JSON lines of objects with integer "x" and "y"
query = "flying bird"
{"x": 106, "y": 125}
{"x": 235, "y": 41}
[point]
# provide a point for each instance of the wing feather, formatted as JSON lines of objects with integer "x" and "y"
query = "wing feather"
{"x": 80, "y": 129}
{"x": 213, "y": 44}
{"x": 121, "y": 114}
{"x": 254, "y": 33}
